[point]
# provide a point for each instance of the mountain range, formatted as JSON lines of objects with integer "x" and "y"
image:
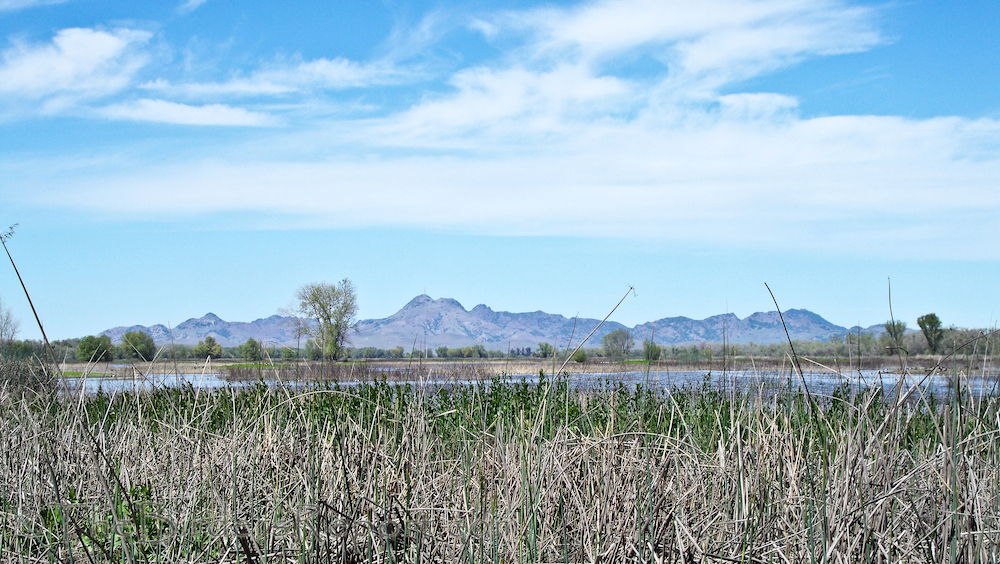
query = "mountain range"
{"x": 445, "y": 322}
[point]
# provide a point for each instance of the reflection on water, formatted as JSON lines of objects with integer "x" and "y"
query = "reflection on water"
{"x": 822, "y": 383}
{"x": 92, "y": 385}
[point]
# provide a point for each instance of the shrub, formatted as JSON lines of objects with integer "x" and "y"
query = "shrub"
{"x": 20, "y": 374}
{"x": 136, "y": 344}
{"x": 95, "y": 349}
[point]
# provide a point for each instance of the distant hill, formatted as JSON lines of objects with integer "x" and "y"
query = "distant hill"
{"x": 446, "y": 322}
{"x": 227, "y": 333}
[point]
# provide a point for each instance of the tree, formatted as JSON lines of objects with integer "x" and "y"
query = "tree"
{"x": 895, "y": 330}
{"x": 312, "y": 352}
{"x": 545, "y": 350}
{"x": 136, "y": 344}
{"x": 333, "y": 307}
{"x": 442, "y": 352}
{"x": 650, "y": 350}
{"x": 250, "y": 350}
{"x": 930, "y": 324}
{"x": 8, "y": 324}
{"x": 618, "y": 343}
{"x": 208, "y": 348}
{"x": 580, "y": 356}
{"x": 95, "y": 349}
{"x": 288, "y": 353}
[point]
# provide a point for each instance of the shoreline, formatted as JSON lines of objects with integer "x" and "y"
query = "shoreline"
{"x": 515, "y": 367}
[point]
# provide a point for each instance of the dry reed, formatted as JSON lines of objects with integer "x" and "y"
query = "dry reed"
{"x": 499, "y": 472}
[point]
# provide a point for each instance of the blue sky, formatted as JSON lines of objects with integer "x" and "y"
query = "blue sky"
{"x": 168, "y": 159}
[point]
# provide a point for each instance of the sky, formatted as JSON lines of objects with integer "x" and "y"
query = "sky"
{"x": 163, "y": 160}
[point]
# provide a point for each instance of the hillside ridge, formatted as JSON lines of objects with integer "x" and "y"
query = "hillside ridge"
{"x": 445, "y": 322}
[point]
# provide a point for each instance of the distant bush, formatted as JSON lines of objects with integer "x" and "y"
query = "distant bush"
{"x": 136, "y": 344}
{"x": 95, "y": 349}
{"x": 19, "y": 373}
{"x": 208, "y": 348}
{"x": 251, "y": 350}
{"x": 22, "y": 349}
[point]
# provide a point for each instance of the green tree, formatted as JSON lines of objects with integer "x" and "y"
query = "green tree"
{"x": 544, "y": 350}
{"x": 181, "y": 351}
{"x": 313, "y": 352}
{"x": 930, "y": 324}
{"x": 288, "y": 353}
{"x": 580, "y": 356}
{"x": 618, "y": 343}
{"x": 208, "y": 348}
{"x": 474, "y": 351}
{"x": 650, "y": 350}
{"x": 442, "y": 352}
{"x": 95, "y": 349}
{"x": 895, "y": 330}
{"x": 333, "y": 307}
{"x": 136, "y": 344}
{"x": 250, "y": 350}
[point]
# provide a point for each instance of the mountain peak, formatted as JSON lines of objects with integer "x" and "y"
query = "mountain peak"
{"x": 449, "y": 302}
{"x": 445, "y": 322}
{"x": 418, "y": 301}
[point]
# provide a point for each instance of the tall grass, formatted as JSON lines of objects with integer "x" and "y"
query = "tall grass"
{"x": 498, "y": 471}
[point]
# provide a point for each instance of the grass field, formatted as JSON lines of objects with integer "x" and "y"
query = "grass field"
{"x": 500, "y": 471}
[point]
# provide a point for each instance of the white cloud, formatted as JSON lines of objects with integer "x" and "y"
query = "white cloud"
{"x": 9, "y": 5}
{"x": 172, "y": 112}
{"x": 78, "y": 62}
{"x": 872, "y": 184}
{"x": 757, "y": 106}
{"x": 281, "y": 79}
{"x": 530, "y": 102}
{"x": 702, "y": 45}
{"x": 711, "y": 31}
{"x": 189, "y": 6}
{"x": 568, "y": 73}
{"x": 558, "y": 137}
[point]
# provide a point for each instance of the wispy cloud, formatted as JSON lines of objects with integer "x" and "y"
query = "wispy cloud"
{"x": 574, "y": 53}
{"x": 171, "y": 112}
{"x": 10, "y": 5}
{"x": 515, "y": 101}
{"x": 700, "y": 36}
{"x": 279, "y": 79}
{"x": 189, "y": 6}
{"x": 78, "y": 62}
{"x": 823, "y": 184}
{"x": 559, "y": 135}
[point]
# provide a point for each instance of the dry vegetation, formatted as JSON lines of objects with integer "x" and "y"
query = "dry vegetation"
{"x": 497, "y": 472}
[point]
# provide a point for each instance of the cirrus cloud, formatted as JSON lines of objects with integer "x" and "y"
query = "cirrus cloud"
{"x": 171, "y": 112}
{"x": 78, "y": 62}
{"x": 10, "y": 5}
{"x": 282, "y": 79}
{"x": 559, "y": 135}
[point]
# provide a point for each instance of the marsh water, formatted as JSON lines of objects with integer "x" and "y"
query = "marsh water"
{"x": 817, "y": 382}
